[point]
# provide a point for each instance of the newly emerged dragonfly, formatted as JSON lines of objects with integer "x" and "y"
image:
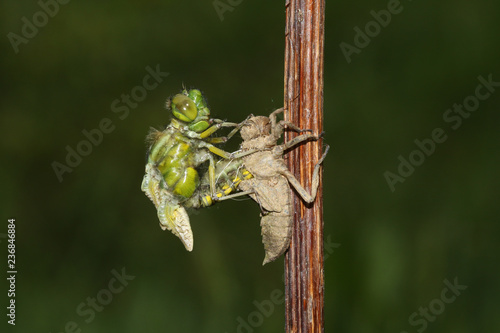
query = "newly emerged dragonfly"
{"x": 174, "y": 157}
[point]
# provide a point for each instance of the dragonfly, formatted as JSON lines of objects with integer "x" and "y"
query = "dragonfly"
{"x": 174, "y": 158}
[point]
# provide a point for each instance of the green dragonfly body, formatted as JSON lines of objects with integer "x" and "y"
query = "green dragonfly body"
{"x": 172, "y": 171}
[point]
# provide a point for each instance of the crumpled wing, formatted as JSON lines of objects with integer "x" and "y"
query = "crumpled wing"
{"x": 176, "y": 219}
{"x": 151, "y": 184}
{"x": 172, "y": 216}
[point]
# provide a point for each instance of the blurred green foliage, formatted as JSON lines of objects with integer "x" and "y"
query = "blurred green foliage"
{"x": 396, "y": 248}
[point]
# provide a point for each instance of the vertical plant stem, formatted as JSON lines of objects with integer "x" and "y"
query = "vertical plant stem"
{"x": 304, "y": 280}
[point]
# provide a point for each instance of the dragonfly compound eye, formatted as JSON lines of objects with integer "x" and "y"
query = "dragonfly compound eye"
{"x": 183, "y": 108}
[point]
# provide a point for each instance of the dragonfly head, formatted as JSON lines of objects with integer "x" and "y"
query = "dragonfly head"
{"x": 191, "y": 108}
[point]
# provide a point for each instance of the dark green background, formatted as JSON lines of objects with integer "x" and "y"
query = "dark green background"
{"x": 393, "y": 249}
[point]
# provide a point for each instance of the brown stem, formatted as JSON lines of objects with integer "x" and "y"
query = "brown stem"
{"x": 304, "y": 280}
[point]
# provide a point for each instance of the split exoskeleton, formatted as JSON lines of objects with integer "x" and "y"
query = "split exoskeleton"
{"x": 270, "y": 180}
